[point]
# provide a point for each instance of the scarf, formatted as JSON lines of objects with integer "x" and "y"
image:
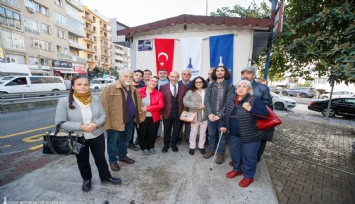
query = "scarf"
{"x": 84, "y": 98}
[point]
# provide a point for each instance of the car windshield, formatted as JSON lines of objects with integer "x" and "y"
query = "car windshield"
{"x": 4, "y": 79}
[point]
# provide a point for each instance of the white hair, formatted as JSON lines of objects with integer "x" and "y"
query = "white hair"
{"x": 125, "y": 70}
{"x": 247, "y": 82}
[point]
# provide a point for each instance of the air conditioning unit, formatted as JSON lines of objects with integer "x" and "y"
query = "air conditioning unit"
{"x": 30, "y": 9}
{"x": 13, "y": 60}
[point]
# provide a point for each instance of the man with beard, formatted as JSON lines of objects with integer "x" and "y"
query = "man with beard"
{"x": 137, "y": 83}
{"x": 146, "y": 76}
{"x": 122, "y": 105}
{"x": 216, "y": 95}
{"x": 263, "y": 92}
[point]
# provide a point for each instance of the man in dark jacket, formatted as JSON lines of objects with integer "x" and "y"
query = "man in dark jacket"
{"x": 263, "y": 92}
{"x": 216, "y": 95}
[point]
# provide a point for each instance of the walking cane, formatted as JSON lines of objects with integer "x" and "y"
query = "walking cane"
{"x": 219, "y": 141}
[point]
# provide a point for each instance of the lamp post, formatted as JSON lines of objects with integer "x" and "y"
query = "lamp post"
{"x": 206, "y": 7}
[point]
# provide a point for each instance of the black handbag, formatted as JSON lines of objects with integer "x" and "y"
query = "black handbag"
{"x": 62, "y": 143}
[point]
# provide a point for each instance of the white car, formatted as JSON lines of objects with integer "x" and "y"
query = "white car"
{"x": 100, "y": 83}
{"x": 281, "y": 102}
{"x": 338, "y": 94}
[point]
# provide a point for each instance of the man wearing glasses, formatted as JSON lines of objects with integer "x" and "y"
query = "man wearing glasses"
{"x": 122, "y": 105}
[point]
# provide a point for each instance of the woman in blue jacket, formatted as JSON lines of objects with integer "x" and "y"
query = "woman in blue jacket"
{"x": 239, "y": 124}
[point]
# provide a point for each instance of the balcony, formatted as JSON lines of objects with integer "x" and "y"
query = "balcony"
{"x": 76, "y": 45}
{"x": 76, "y": 32}
{"x": 76, "y": 5}
{"x": 79, "y": 60}
{"x": 10, "y": 45}
{"x": 90, "y": 60}
{"x": 65, "y": 56}
{"x": 105, "y": 37}
{"x": 89, "y": 40}
{"x": 89, "y": 30}
{"x": 104, "y": 28}
{"x": 88, "y": 19}
{"x": 89, "y": 50}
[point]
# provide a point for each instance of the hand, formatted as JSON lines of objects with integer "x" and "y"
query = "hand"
{"x": 247, "y": 106}
{"x": 216, "y": 118}
{"x": 144, "y": 109}
{"x": 211, "y": 117}
{"x": 202, "y": 106}
{"x": 223, "y": 130}
{"x": 89, "y": 127}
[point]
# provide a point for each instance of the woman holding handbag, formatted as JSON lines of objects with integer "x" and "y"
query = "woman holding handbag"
{"x": 194, "y": 100}
{"x": 153, "y": 102}
{"x": 239, "y": 124}
{"x": 84, "y": 114}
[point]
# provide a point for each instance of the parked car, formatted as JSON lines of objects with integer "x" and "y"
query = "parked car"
{"x": 275, "y": 90}
{"x": 100, "y": 83}
{"x": 338, "y": 106}
{"x": 303, "y": 92}
{"x": 338, "y": 94}
{"x": 282, "y": 103}
{"x": 20, "y": 84}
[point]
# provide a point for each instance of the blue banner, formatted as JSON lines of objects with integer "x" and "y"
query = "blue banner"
{"x": 221, "y": 52}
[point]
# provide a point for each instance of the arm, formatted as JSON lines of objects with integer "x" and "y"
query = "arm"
{"x": 207, "y": 101}
{"x": 188, "y": 100}
{"x": 104, "y": 97}
{"x": 62, "y": 115}
{"x": 158, "y": 106}
{"x": 259, "y": 108}
{"x": 102, "y": 115}
{"x": 267, "y": 99}
{"x": 231, "y": 91}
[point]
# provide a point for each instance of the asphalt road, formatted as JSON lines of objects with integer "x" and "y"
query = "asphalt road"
{"x": 22, "y": 130}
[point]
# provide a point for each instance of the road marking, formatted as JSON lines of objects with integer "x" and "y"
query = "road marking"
{"x": 34, "y": 138}
{"x": 24, "y": 132}
{"x": 4, "y": 146}
{"x": 36, "y": 147}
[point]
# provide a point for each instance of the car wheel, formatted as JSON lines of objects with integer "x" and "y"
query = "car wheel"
{"x": 285, "y": 93}
{"x": 331, "y": 112}
{"x": 96, "y": 87}
{"x": 325, "y": 97}
{"x": 303, "y": 95}
{"x": 279, "y": 106}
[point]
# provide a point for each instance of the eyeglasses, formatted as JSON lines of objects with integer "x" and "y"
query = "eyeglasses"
{"x": 154, "y": 81}
{"x": 198, "y": 82}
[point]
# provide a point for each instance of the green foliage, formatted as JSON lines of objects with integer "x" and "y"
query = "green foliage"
{"x": 253, "y": 11}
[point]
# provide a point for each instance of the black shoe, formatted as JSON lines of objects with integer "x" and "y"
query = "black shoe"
{"x": 133, "y": 147}
{"x": 175, "y": 149}
{"x": 164, "y": 150}
{"x": 86, "y": 185}
{"x": 202, "y": 151}
{"x": 191, "y": 151}
{"x": 136, "y": 142}
{"x": 113, "y": 180}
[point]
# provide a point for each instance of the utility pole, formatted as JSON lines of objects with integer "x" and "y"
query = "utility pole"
{"x": 206, "y": 7}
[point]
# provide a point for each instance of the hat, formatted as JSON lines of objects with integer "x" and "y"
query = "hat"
{"x": 249, "y": 69}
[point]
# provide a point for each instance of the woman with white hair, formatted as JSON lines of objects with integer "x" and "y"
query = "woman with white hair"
{"x": 239, "y": 124}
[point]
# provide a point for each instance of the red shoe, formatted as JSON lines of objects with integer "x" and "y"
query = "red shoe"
{"x": 233, "y": 174}
{"x": 245, "y": 182}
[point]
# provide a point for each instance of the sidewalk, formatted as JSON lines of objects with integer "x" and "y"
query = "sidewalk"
{"x": 161, "y": 178}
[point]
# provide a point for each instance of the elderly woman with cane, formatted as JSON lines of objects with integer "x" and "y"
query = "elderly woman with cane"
{"x": 239, "y": 123}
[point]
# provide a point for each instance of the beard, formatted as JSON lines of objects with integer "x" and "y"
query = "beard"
{"x": 136, "y": 80}
{"x": 127, "y": 82}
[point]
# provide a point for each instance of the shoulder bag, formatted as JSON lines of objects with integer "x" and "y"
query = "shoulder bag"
{"x": 269, "y": 121}
{"x": 62, "y": 143}
{"x": 189, "y": 117}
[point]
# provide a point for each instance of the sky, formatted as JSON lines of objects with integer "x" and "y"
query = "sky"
{"x": 138, "y": 12}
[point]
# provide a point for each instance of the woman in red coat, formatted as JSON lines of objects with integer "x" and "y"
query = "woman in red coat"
{"x": 153, "y": 102}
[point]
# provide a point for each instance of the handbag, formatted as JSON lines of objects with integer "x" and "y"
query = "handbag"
{"x": 269, "y": 121}
{"x": 63, "y": 143}
{"x": 188, "y": 117}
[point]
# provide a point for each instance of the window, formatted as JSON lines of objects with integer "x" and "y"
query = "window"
{"x": 62, "y": 49}
{"x": 41, "y": 44}
{"x": 32, "y": 60}
{"x": 73, "y": 12}
{"x": 10, "y": 18}
{"x": 58, "y": 3}
{"x": 31, "y": 26}
{"x": 11, "y": 58}
{"x": 61, "y": 33}
{"x": 59, "y": 18}
{"x": 75, "y": 26}
{"x": 14, "y": 3}
{"x": 44, "y": 62}
{"x": 45, "y": 28}
{"x": 39, "y": 8}
{"x": 18, "y": 81}
{"x": 12, "y": 40}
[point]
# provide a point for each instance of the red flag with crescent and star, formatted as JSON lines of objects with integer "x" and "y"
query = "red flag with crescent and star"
{"x": 164, "y": 54}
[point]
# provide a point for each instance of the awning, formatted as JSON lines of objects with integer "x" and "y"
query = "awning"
{"x": 65, "y": 71}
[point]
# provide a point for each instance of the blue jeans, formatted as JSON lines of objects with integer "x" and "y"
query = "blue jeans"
{"x": 117, "y": 142}
{"x": 244, "y": 154}
{"x": 213, "y": 130}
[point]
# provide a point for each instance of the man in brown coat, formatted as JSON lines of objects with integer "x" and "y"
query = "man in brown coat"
{"x": 122, "y": 105}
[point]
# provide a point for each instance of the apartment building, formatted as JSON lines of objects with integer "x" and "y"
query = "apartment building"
{"x": 38, "y": 32}
{"x": 120, "y": 56}
{"x": 97, "y": 39}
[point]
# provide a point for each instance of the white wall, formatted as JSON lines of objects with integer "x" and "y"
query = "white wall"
{"x": 243, "y": 41}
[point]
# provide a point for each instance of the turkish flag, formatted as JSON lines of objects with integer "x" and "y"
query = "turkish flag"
{"x": 164, "y": 54}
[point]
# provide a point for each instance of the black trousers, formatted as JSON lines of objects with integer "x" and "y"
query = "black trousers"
{"x": 97, "y": 147}
{"x": 172, "y": 122}
{"x": 148, "y": 133}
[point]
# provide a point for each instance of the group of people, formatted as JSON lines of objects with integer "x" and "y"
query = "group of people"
{"x": 138, "y": 100}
